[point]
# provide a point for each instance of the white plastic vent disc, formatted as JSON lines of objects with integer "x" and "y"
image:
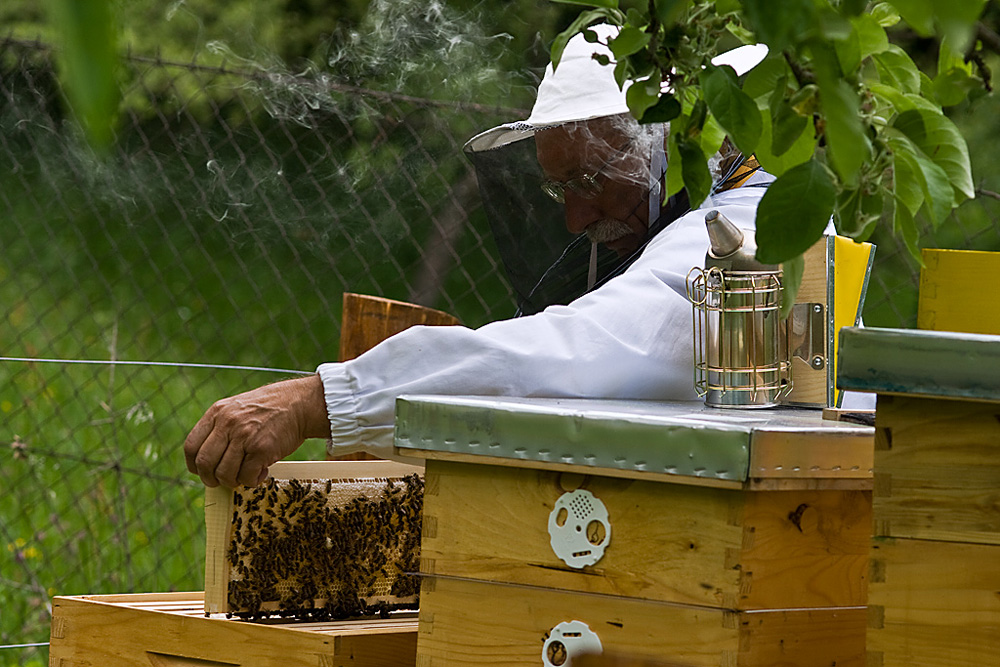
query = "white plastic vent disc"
{"x": 579, "y": 530}
{"x": 569, "y": 640}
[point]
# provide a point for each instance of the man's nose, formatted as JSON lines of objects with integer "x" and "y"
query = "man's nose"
{"x": 580, "y": 213}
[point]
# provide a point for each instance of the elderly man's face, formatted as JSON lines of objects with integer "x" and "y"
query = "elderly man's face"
{"x": 618, "y": 215}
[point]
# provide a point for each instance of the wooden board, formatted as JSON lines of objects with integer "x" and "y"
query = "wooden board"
{"x": 170, "y": 630}
{"x": 934, "y": 604}
{"x": 718, "y": 547}
{"x": 937, "y": 469}
{"x": 368, "y": 320}
{"x": 809, "y": 386}
{"x": 951, "y": 291}
{"x": 221, "y": 512}
{"x": 474, "y": 623}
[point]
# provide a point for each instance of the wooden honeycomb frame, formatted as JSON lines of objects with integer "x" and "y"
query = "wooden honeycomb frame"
{"x": 319, "y": 540}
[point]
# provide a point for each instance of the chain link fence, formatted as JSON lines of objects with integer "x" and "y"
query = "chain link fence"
{"x": 216, "y": 240}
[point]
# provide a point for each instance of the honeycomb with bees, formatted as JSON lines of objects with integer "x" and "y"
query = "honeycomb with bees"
{"x": 316, "y": 541}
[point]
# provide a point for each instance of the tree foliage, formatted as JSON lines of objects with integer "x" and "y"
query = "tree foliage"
{"x": 845, "y": 119}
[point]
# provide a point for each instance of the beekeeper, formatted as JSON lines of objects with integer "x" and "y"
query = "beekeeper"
{"x": 602, "y": 297}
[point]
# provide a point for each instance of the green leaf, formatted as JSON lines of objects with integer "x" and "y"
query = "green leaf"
{"x": 642, "y": 95}
{"x": 846, "y": 142}
{"x": 610, "y": 4}
{"x": 579, "y": 23}
{"x": 88, "y": 61}
{"x": 733, "y": 108}
{"x": 908, "y": 177}
{"x": 833, "y": 26}
{"x": 622, "y": 73}
{"x": 918, "y": 13}
{"x": 957, "y": 21}
{"x": 871, "y": 35}
{"x": 939, "y": 139}
{"x": 694, "y": 167}
{"x": 794, "y": 212}
{"x": 853, "y": 7}
{"x": 762, "y": 80}
{"x": 786, "y": 129}
{"x": 800, "y": 151}
{"x": 950, "y": 57}
{"x": 675, "y": 176}
{"x": 885, "y": 14}
{"x": 636, "y": 18}
{"x": 781, "y": 28}
{"x": 926, "y": 89}
{"x": 711, "y": 137}
{"x": 629, "y": 41}
{"x": 896, "y": 69}
{"x": 792, "y": 271}
{"x": 805, "y": 101}
{"x": 905, "y": 226}
{"x": 857, "y": 211}
{"x": 953, "y": 87}
{"x": 726, "y": 6}
{"x": 665, "y": 110}
{"x": 668, "y": 11}
{"x": 938, "y": 198}
{"x": 849, "y": 51}
{"x": 891, "y": 96}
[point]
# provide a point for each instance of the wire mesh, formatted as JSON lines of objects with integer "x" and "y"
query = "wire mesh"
{"x": 222, "y": 229}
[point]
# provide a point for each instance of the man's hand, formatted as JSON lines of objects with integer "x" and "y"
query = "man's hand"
{"x": 239, "y": 437}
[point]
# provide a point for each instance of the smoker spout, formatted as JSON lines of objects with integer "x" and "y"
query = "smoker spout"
{"x": 724, "y": 237}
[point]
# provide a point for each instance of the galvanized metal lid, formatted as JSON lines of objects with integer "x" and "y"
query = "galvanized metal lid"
{"x": 680, "y": 438}
{"x": 923, "y": 363}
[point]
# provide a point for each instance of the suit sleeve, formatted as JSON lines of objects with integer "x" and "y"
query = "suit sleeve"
{"x": 629, "y": 339}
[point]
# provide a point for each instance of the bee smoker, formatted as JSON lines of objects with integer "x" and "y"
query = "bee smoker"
{"x": 740, "y": 341}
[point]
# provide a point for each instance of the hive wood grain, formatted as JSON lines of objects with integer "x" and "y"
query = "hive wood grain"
{"x": 808, "y": 384}
{"x": 937, "y": 469}
{"x": 934, "y": 604}
{"x": 368, "y": 320}
{"x": 170, "y": 630}
{"x": 724, "y": 548}
{"x": 511, "y": 629}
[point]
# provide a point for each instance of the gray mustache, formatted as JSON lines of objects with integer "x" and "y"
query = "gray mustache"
{"x": 607, "y": 230}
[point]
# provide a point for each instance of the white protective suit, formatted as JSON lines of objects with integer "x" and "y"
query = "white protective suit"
{"x": 629, "y": 339}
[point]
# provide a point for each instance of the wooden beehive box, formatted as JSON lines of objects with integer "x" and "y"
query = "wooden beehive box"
{"x": 935, "y": 564}
{"x": 736, "y": 537}
{"x": 171, "y": 630}
{"x": 318, "y": 540}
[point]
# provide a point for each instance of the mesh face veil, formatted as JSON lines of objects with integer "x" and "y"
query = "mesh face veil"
{"x": 580, "y": 145}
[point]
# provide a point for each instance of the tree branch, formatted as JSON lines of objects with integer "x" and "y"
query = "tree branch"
{"x": 988, "y": 37}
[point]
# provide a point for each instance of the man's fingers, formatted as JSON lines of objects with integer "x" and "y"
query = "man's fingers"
{"x": 194, "y": 440}
{"x": 229, "y": 466}
{"x": 250, "y": 471}
{"x": 209, "y": 456}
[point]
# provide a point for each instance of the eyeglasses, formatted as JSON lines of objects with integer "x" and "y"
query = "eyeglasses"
{"x": 586, "y": 186}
